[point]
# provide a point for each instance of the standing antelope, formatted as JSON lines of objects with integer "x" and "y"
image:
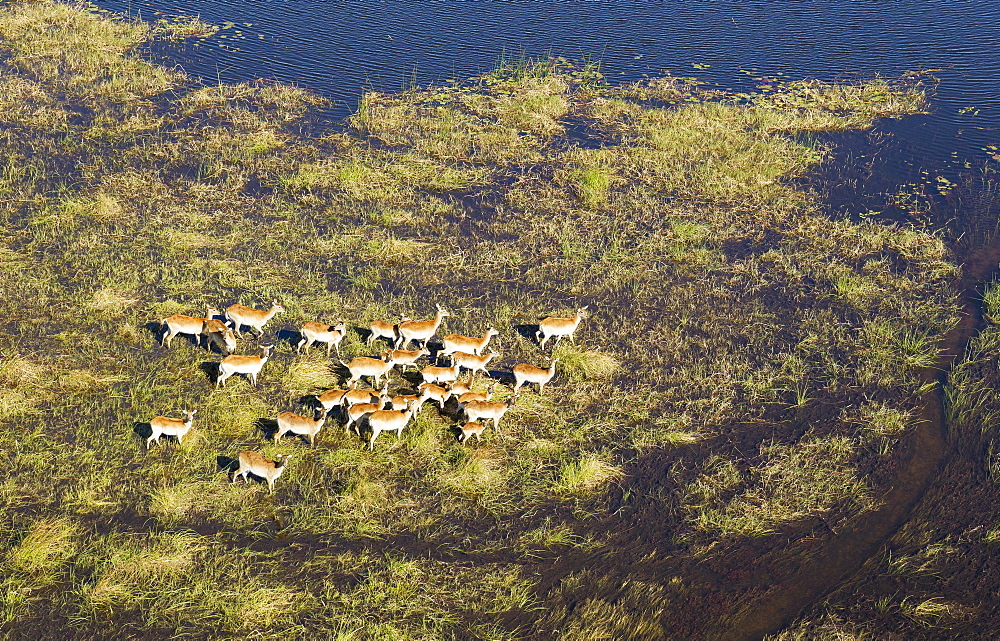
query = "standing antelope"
{"x": 181, "y": 324}
{"x": 215, "y": 331}
{"x": 301, "y": 425}
{"x": 435, "y": 374}
{"x": 362, "y": 366}
{"x": 525, "y": 373}
{"x": 241, "y": 315}
{"x": 458, "y": 343}
{"x": 404, "y": 358}
{"x": 383, "y": 329}
{"x": 254, "y": 463}
{"x": 468, "y": 397}
{"x": 472, "y": 362}
{"x": 403, "y": 401}
{"x": 249, "y": 365}
{"x": 419, "y": 331}
{"x": 558, "y": 327}
{"x": 313, "y": 332}
{"x": 475, "y": 410}
{"x": 436, "y": 392}
{"x": 386, "y": 420}
{"x": 358, "y": 411}
{"x": 355, "y": 396}
{"x": 472, "y": 428}
{"x": 461, "y": 387}
{"x": 162, "y": 425}
{"x": 331, "y": 398}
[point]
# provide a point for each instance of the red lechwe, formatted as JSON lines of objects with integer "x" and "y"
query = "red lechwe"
{"x": 254, "y": 463}
{"x": 458, "y": 343}
{"x": 558, "y": 327}
{"x": 301, "y": 425}
{"x": 241, "y": 315}
{"x": 525, "y": 373}
{"x": 164, "y": 426}
{"x": 419, "y": 331}
{"x": 249, "y": 365}
{"x": 313, "y": 332}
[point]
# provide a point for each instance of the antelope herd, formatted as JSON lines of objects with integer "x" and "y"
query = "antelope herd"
{"x": 358, "y": 407}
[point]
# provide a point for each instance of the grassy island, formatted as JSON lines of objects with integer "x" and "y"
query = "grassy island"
{"x": 747, "y": 378}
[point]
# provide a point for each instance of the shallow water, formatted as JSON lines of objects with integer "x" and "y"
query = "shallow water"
{"x": 340, "y": 48}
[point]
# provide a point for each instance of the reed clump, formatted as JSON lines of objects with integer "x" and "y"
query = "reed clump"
{"x": 729, "y": 314}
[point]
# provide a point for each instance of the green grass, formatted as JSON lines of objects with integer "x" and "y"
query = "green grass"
{"x": 705, "y": 330}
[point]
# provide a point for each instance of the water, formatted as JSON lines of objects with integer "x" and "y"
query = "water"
{"x": 340, "y": 48}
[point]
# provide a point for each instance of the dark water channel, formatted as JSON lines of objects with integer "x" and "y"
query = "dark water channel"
{"x": 340, "y": 48}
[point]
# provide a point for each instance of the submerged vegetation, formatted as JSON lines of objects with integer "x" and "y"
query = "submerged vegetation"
{"x": 746, "y": 372}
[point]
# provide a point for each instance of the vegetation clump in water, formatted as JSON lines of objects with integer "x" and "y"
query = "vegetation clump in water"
{"x": 729, "y": 392}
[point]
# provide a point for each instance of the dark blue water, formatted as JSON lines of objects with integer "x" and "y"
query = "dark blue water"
{"x": 339, "y": 48}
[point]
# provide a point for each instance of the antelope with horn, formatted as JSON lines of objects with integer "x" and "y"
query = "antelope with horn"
{"x": 558, "y": 327}
{"x": 241, "y": 315}
{"x": 301, "y": 425}
{"x": 254, "y": 463}
{"x": 525, "y": 373}
{"x": 162, "y": 425}
{"x": 249, "y": 365}
{"x": 313, "y": 332}
{"x": 419, "y": 331}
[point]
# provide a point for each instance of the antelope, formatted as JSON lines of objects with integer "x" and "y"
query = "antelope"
{"x": 472, "y": 362}
{"x": 419, "y": 331}
{"x": 403, "y": 401}
{"x": 436, "y": 392}
{"x": 468, "y": 397}
{"x": 162, "y": 425}
{"x": 181, "y": 324}
{"x": 475, "y": 410}
{"x": 249, "y": 365}
{"x": 254, "y": 463}
{"x": 386, "y": 420}
{"x": 355, "y": 396}
{"x": 404, "y": 357}
{"x": 525, "y": 373}
{"x": 302, "y": 425}
{"x": 472, "y": 428}
{"x": 382, "y": 329}
{"x": 357, "y": 411}
{"x": 461, "y": 387}
{"x": 215, "y": 331}
{"x": 558, "y": 327}
{"x": 435, "y": 374}
{"x": 331, "y": 398}
{"x": 362, "y": 366}
{"x": 241, "y": 315}
{"x": 313, "y": 332}
{"x": 458, "y": 343}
